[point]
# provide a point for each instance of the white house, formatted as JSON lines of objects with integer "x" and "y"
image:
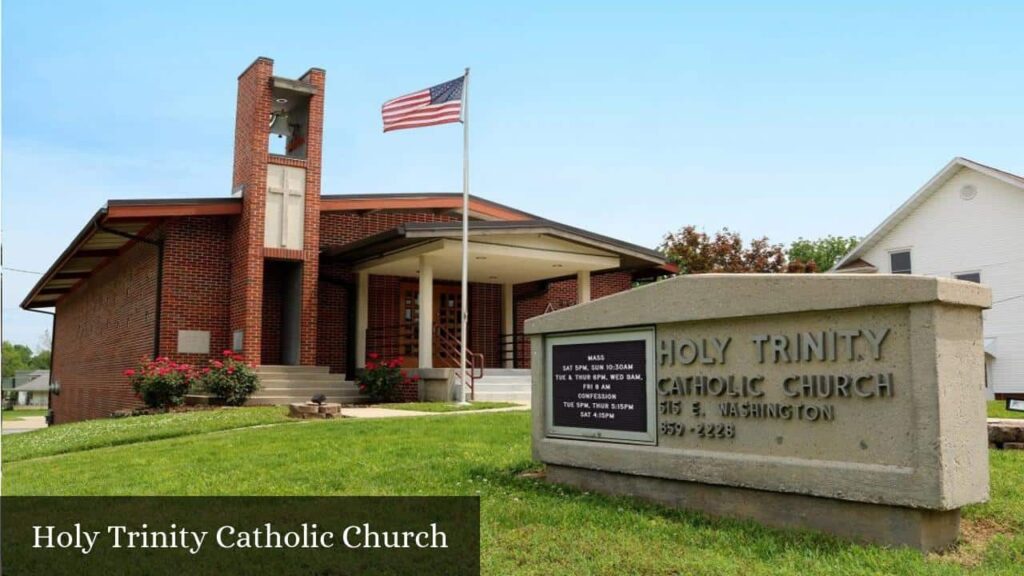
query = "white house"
{"x": 967, "y": 222}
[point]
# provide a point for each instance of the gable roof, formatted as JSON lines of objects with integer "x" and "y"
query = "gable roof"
{"x": 120, "y": 224}
{"x": 924, "y": 193}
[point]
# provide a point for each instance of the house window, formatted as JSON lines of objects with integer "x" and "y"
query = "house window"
{"x": 969, "y": 276}
{"x": 899, "y": 262}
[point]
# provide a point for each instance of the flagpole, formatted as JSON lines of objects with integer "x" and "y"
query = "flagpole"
{"x": 465, "y": 236}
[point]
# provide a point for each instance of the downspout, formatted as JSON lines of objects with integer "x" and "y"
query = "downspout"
{"x": 159, "y": 278}
{"x": 53, "y": 350}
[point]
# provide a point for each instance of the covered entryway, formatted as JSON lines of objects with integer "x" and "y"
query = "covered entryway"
{"x": 426, "y": 258}
{"x": 282, "y": 306}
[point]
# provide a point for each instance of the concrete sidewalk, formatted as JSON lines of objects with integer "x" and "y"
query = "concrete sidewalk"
{"x": 377, "y": 412}
{"x": 24, "y": 425}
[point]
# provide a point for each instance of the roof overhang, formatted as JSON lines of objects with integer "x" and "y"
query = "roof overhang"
{"x": 499, "y": 252}
{"x": 112, "y": 230}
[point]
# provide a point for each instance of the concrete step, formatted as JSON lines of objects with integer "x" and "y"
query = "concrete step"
{"x": 485, "y": 396}
{"x": 506, "y": 377}
{"x": 501, "y": 387}
{"x": 302, "y": 379}
{"x": 524, "y": 372}
{"x": 282, "y": 369}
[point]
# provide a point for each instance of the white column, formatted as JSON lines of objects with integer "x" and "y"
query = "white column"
{"x": 362, "y": 317}
{"x": 582, "y": 287}
{"x": 508, "y": 322}
{"x": 426, "y": 334}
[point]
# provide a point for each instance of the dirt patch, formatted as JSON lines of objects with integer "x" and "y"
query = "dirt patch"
{"x": 532, "y": 474}
{"x": 974, "y": 538}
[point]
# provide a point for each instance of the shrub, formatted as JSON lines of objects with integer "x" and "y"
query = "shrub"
{"x": 230, "y": 379}
{"x": 161, "y": 383}
{"x": 381, "y": 378}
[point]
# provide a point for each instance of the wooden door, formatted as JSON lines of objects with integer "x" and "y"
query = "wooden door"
{"x": 447, "y": 318}
{"x": 408, "y": 326}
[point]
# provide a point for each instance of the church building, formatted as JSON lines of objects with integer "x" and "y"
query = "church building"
{"x": 308, "y": 285}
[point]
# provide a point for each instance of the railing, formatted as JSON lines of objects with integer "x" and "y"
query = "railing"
{"x": 515, "y": 350}
{"x": 448, "y": 348}
{"x": 403, "y": 340}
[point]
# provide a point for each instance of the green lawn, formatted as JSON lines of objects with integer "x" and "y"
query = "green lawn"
{"x": 528, "y": 526}
{"x": 115, "y": 431}
{"x": 446, "y": 406}
{"x": 997, "y": 409}
{"x": 21, "y": 413}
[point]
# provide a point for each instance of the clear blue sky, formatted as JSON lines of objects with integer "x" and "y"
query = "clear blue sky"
{"x": 785, "y": 121}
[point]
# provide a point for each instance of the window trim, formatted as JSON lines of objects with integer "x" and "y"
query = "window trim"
{"x": 910, "y": 255}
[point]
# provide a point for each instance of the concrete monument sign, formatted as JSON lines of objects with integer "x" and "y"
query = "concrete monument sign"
{"x": 848, "y": 404}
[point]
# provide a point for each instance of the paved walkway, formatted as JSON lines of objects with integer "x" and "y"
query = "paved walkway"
{"x": 377, "y": 412}
{"x": 24, "y": 425}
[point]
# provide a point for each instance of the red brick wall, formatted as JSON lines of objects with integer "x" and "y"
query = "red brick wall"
{"x": 250, "y": 170}
{"x": 485, "y": 322}
{"x": 336, "y": 296}
{"x": 197, "y": 284}
{"x": 309, "y": 320}
{"x": 340, "y": 228}
{"x": 103, "y": 328}
{"x": 532, "y": 300}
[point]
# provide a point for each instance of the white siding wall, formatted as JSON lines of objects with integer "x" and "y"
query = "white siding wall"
{"x": 949, "y": 235}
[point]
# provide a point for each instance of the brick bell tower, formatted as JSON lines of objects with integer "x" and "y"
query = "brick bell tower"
{"x": 275, "y": 244}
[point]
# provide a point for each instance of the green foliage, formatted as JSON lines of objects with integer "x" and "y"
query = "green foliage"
{"x": 231, "y": 380}
{"x": 381, "y": 378}
{"x": 161, "y": 383}
{"x": 20, "y": 357}
{"x": 823, "y": 252}
{"x": 997, "y": 409}
{"x": 93, "y": 434}
{"x": 528, "y": 525}
{"x": 695, "y": 252}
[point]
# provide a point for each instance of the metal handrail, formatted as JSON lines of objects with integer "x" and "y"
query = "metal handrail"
{"x": 515, "y": 348}
{"x": 387, "y": 341}
{"x": 451, "y": 345}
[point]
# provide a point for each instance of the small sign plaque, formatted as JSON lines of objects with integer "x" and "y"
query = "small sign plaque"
{"x": 1014, "y": 405}
{"x": 600, "y": 386}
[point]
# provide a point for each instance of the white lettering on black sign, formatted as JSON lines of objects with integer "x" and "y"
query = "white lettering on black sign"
{"x": 601, "y": 385}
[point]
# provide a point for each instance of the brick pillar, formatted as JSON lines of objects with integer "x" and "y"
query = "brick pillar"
{"x": 250, "y": 173}
{"x": 311, "y": 241}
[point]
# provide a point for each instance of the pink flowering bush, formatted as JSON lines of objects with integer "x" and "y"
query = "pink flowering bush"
{"x": 161, "y": 383}
{"x": 230, "y": 379}
{"x": 381, "y": 378}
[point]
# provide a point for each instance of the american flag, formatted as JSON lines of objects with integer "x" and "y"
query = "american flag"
{"x": 439, "y": 104}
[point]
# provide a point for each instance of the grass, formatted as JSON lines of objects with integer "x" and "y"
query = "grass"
{"x": 528, "y": 527}
{"x": 93, "y": 434}
{"x": 446, "y": 406}
{"x": 997, "y": 409}
{"x": 21, "y": 413}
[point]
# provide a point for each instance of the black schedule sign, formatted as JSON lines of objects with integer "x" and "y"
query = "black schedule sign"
{"x": 600, "y": 385}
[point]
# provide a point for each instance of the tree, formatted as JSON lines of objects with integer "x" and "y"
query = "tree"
{"x": 697, "y": 253}
{"x": 823, "y": 253}
{"x": 20, "y": 357}
{"x": 15, "y": 357}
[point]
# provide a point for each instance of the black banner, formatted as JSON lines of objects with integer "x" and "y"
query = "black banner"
{"x": 240, "y": 535}
{"x": 600, "y": 385}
